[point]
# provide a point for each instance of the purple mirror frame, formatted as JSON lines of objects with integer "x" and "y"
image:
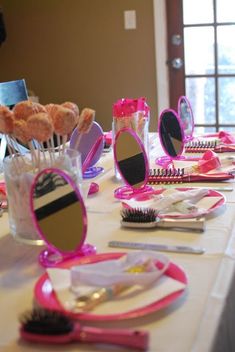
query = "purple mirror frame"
{"x": 188, "y": 137}
{"x": 51, "y": 247}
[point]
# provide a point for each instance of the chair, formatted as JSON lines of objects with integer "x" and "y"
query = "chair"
{"x": 11, "y": 93}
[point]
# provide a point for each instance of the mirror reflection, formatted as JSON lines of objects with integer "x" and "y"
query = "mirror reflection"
{"x": 171, "y": 133}
{"x": 130, "y": 158}
{"x": 186, "y": 115}
{"x": 58, "y": 211}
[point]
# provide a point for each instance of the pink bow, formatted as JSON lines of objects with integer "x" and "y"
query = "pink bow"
{"x": 226, "y": 137}
{"x": 209, "y": 161}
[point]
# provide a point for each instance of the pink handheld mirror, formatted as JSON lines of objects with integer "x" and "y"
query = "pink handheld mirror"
{"x": 172, "y": 138}
{"x": 59, "y": 216}
{"x": 132, "y": 164}
{"x": 185, "y": 113}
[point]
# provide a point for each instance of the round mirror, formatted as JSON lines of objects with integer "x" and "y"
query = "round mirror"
{"x": 59, "y": 213}
{"x": 171, "y": 133}
{"x": 185, "y": 114}
{"x": 131, "y": 159}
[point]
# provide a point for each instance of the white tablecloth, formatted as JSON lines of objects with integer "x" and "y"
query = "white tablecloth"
{"x": 189, "y": 324}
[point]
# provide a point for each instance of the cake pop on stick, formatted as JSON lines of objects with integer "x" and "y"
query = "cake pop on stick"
{"x": 6, "y": 120}
{"x": 22, "y": 133}
{"x": 73, "y": 107}
{"x": 51, "y": 110}
{"x": 26, "y": 108}
{"x": 64, "y": 121}
{"x": 6, "y": 126}
{"x": 84, "y": 124}
{"x": 41, "y": 129}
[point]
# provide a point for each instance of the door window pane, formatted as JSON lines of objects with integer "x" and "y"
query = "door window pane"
{"x": 199, "y": 50}
{"x": 226, "y": 49}
{"x": 201, "y": 94}
{"x": 226, "y": 100}
{"x": 201, "y": 130}
{"x": 225, "y": 11}
{"x": 200, "y": 11}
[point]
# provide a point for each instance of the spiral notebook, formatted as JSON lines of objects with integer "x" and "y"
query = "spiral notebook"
{"x": 202, "y": 146}
{"x": 167, "y": 176}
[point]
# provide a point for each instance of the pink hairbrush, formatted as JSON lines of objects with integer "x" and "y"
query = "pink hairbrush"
{"x": 53, "y": 327}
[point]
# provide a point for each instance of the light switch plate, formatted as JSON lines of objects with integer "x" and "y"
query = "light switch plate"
{"x": 130, "y": 19}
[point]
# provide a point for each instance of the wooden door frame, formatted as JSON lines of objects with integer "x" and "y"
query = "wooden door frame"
{"x": 160, "y": 36}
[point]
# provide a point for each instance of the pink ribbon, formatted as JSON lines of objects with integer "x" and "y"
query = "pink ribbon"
{"x": 226, "y": 137}
{"x": 129, "y": 106}
{"x": 209, "y": 161}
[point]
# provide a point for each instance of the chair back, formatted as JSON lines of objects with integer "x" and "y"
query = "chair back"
{"x": 13, "y": 92}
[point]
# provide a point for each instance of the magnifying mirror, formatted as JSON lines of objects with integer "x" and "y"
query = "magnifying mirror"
{"x": 171, "y": 135}
{"x": 132, "y": 164}
{"x": 93, "y": 141}
{"x": 185, "y": 114}
{"x": 59, "y": 216}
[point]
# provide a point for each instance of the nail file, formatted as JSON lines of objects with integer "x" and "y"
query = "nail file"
{"x": 221, "y": 189}
{"x": 156, "y": 247}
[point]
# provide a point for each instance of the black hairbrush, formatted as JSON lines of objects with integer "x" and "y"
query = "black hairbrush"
{"x": 47, "y": 326}
{"x": 148, "y": 218}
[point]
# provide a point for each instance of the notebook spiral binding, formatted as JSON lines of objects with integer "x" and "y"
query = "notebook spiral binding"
{"x": 203, "y": 146}
{"x": 170, "y": 176}
{"x": 197, "y": 146}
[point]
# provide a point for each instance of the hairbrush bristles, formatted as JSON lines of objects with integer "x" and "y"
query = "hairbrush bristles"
{"x": 139, "y": 215}
{"x": 46, "y": 322}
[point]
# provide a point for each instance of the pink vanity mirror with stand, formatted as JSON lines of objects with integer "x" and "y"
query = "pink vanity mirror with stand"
{"x": 172, "y": 137}
{"x": 171, "y": 128}
{"x": 132, "y": 164}
{"x": 185, "y": 114}
{"x": 59, "y": 216}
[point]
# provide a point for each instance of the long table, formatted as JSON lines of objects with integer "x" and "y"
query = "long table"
{"x": 200, "y": 320}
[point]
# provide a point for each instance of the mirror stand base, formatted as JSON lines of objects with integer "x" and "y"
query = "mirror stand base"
{"x": 127, "y": 192}
{"x": 49, "y": 258}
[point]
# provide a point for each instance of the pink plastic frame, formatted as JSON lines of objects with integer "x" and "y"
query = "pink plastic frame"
{"x": 128, "y": 190}
{"x": 52, "y": 255}
{"x": 189, "y": 136}
{"x": 165, "y": 160}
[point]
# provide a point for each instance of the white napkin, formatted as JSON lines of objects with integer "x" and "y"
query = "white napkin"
{"x": 172, "y": 201}
{"x": 134, "y": 298}
{"x": 111, "y": 272}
